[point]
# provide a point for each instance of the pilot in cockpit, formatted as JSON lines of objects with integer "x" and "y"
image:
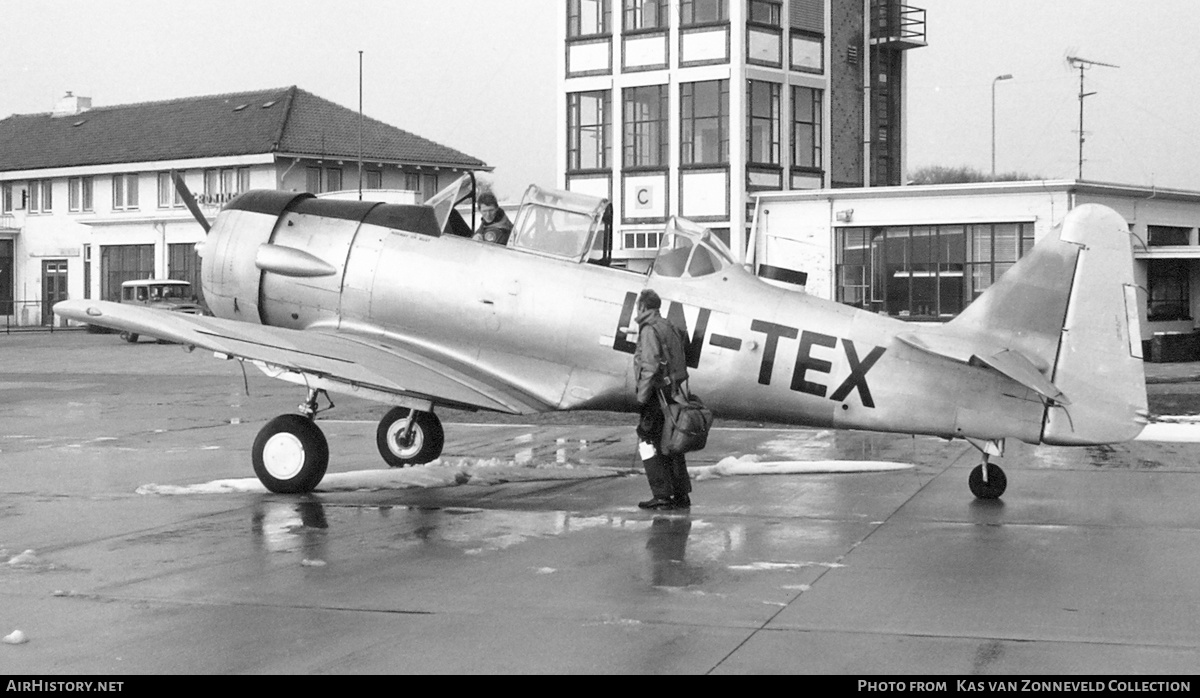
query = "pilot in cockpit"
{"x": 496, "y": 226}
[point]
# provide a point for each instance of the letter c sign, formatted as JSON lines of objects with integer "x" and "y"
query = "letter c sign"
{"x": 643, "y": 198}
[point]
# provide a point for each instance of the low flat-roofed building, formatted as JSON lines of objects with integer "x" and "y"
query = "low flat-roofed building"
{"x": 923, "y": 253}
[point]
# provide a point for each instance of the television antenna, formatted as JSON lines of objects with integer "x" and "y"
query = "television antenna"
{"x": 1083, "y": 64}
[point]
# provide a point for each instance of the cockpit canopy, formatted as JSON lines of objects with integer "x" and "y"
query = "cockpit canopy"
{"x": 559, "y": 223}
{"x": 690, "y": 250}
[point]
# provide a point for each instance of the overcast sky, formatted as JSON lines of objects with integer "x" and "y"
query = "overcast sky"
{"x": 478, "y": 75}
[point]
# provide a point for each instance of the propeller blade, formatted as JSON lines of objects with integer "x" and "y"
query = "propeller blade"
{"x": 190, "y": 201}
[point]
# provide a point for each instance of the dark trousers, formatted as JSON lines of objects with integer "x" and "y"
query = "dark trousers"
{"x": 668, "y": 475}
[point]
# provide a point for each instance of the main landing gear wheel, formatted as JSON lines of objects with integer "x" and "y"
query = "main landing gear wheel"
{"x": 290, "y": 454}
{"x": 995, "y": 485}
{"x": 131, "y": 337}
{"x": 424, "y": 442}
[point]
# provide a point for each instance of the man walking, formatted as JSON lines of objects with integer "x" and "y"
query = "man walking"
{"x": 660, "y": 366}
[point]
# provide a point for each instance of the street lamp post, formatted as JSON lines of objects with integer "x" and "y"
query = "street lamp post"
{"x": 995, "y": 80}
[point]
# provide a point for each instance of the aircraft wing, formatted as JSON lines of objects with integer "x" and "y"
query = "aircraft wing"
{"x": 343, "y": 361}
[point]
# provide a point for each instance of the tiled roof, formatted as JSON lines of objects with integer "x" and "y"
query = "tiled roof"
{"x": 286, "y": 120}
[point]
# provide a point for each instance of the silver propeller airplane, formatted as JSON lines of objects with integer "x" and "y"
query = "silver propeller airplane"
{"x": 396, "y": 303}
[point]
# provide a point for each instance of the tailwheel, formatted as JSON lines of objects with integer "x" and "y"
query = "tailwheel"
{"x": 403, "y": 442}
{"x": 131, "y": 337}
{"x": 290, "y": 454}
{"x": 990, "y": 487}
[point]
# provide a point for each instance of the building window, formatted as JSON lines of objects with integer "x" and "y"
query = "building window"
{"x": 168, "y": 197}
{"x": 765, "y": 12}
{"x": 374, "y": 179}
{"x": 692, "y": 12}
{"x": 762, "y": 100}
{"x": 925, "y": 272}
{"x": 806, "y": 128}
{"x": 1170, "y": 289}
{"x": 6, "y": 198}
{"x": 224, "y": 184}
{"x": 704, "y": 123}
{"x": 312, "y": 180}
{"x": 587, "y": 17}
{"x": 125, "y": 192}
{"x": 587, "y": 130}
{"x": 412, "y": 182}
{"x": 79, "y": 194}
{"x": 807, "y": 22}
{"x": 645, "y": 126}
{"x": 645, "y": 15}
{"x": 429, "y": 185}
{"x": 1167, "y": 235}
{"x": 41, "y": 196}
{"x": 642, "y": 239}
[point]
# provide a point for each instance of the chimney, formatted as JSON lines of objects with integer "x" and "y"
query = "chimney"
{"x": 71, "y": 105}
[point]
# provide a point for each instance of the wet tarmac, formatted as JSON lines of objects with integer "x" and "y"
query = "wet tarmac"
{"x": 533, "y": 557}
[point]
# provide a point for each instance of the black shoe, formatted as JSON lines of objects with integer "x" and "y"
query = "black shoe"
{"x": 657, "y": 503}
{"x": 682, "y": 501}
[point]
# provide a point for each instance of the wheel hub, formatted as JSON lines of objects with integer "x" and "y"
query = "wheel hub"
{"x": 396, "y": 442}
{"x": 283, "y": 456}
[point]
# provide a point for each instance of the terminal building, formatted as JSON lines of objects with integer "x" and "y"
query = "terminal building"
{"x": 687, "y": 107}
{"x": 87, "y": 200}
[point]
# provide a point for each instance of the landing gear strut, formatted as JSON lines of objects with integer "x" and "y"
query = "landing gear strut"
{"x": 407, "y": 437}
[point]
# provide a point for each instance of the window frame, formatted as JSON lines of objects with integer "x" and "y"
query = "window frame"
{"x": 872, "y": 283}
{"x": 688, "y": 123}
{"x": 774, "y": 8}
{"x": 602, "y": 19}
{"x": 80, "y": 195}
{"x": 576, "y": 128}
{"x": 814, "y": 148}
{"x": 687, "y": 13}
{"x": 645, "y": 141}
{"x": 773, "y": 120}
{"x": 633, "y": 9}
{"x": 125, "y": 197}
{"x": 1178, "y": 287}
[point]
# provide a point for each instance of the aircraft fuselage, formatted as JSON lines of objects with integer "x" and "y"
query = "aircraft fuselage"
{"x": 564, "y": 331}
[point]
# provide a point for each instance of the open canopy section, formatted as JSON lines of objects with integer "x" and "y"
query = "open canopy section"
{"x": 690, "y": 250}
{"x": 444, "y": 203}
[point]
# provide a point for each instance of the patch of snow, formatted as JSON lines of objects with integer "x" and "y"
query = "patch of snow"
{"x": 751, "y": 465}
{"x": 1172, "y": 429}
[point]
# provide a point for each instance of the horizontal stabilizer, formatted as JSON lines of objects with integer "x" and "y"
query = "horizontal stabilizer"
{"x": 979, "y": 348}
{"x": 1014, "y": 365}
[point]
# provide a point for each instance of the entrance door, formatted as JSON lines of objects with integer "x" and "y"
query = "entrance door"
{"x": 54, "y": 287}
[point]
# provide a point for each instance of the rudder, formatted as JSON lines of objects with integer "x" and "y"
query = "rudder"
{"x": 1099, "y": 362}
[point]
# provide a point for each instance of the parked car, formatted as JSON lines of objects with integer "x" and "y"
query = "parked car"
{"x": 171, "y": 295}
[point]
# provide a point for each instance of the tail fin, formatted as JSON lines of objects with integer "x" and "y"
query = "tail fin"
{"x": 1070, "y": 307}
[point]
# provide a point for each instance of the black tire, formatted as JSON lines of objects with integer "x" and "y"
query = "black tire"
{"x": 427, "y": 438}
{"x": 996, "y": 483}
{"x": 131, "y": 337}
{"x": 290, "y": 454}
